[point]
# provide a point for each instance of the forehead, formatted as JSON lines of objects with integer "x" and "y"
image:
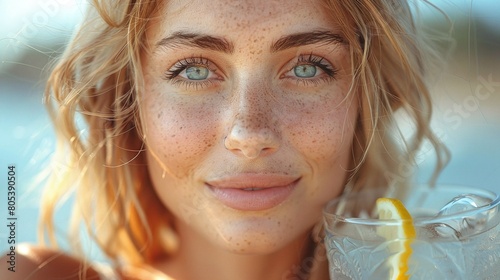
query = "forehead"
{"x": 240, "y": 16}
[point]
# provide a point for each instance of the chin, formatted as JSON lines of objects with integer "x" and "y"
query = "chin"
{"x": 255, "y": 243}
{"x": 258, "y": 236}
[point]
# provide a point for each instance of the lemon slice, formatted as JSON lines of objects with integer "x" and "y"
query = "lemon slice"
{"x": 398, "y": 235}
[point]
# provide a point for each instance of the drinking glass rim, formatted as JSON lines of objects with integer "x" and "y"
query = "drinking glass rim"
{"x": 419, "y": 221}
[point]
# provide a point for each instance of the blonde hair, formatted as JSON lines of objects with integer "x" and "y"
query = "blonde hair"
{"x": 99, "y": 75}
{"x": 390, "y": 65}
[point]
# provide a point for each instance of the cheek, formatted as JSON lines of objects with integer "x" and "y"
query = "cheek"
{"x": 178, "y": 133}
{"x": 323, "y": 130}
{"x": 322, "y": 137}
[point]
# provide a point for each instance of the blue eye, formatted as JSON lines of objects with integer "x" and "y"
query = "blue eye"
{"x": 305, "y": 71}
{"x": 310, "y": 68}
{"x": 194, "y": 74}
{"x": 197, "y": 73}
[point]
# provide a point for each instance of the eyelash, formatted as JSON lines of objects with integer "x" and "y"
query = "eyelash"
{"x": 181, "y": 65}
{"x": 318, "y": 61}
{"x": 173, "y": 73}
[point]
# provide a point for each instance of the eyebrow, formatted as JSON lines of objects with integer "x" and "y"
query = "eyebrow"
{"x": 181, "y": 39}
{"x": 307, "y": 38}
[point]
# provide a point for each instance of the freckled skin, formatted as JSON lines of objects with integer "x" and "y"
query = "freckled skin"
{"x": 268, "y": 123}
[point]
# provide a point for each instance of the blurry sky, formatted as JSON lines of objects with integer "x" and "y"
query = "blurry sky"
{"x": 34, "y": 28}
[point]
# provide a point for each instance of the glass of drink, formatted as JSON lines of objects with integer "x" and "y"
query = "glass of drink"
{"x": 453, "y": 233}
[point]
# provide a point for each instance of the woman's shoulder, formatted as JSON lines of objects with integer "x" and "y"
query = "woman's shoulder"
{"x": 35, "y": 262}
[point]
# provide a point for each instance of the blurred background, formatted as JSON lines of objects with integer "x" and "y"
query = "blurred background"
{"x": 466, "y": 91}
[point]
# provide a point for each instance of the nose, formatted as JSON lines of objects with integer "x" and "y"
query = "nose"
{"x": 254, "y": 130}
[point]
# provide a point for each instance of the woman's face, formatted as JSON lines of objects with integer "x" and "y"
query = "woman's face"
{"x": 247, "y": 119}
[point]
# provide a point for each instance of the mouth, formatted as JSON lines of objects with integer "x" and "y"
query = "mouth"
{"x": 254, "y": 191}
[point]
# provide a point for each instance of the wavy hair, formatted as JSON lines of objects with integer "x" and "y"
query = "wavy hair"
{"x": 100, "y": 159}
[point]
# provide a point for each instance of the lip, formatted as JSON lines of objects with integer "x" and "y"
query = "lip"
{"x": 253, "y": 192}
